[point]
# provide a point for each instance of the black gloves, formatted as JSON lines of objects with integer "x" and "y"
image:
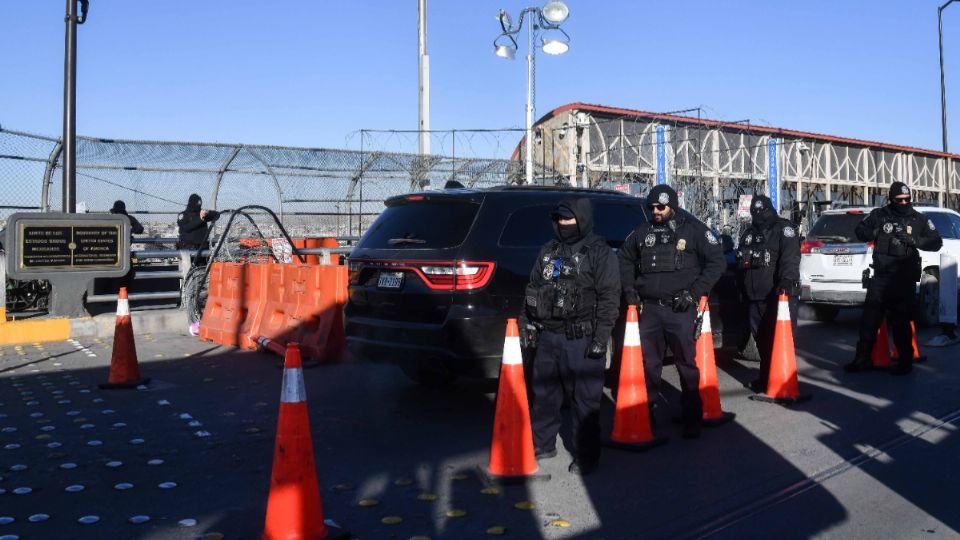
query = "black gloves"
{"x": 790, "y": 288}
{"x": 906, "y": 239}
{"x": 683, "y": 301}
{"x": 529, "y": 336}
{"x": 597, "y": 350}
{"x": 631, "y": 298}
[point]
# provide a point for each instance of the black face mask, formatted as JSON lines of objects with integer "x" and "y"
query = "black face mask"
{"x": 763, "y": 217}
{"x": 568, "y": 233}
{"x": 901, "y": 209}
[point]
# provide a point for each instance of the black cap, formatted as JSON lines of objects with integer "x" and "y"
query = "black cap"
{"x": 663, "y": 194}
{"x": 760, "y": 203}
{"x": 898, "y": 189}
{"x": 562, "y": 212}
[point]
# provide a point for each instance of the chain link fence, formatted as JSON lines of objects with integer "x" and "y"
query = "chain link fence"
{"x": 315, "y": 191}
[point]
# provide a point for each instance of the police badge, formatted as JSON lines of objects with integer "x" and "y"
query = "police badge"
{"x": 909, "y": 229}
{"x": 650, "y": 240}
{"x": 681, "y": 244}
{"x": 888, "y": 227}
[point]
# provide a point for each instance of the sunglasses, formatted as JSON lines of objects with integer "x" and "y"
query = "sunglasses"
{"x": 905, "y": 200}
{"x": 660, "y": 207}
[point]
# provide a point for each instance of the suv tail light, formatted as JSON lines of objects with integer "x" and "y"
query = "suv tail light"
{"x": 438, "y": 275}
{"x": 811, "y": 246}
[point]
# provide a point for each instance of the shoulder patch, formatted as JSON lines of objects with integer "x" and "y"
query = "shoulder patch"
{"x": 789, "y": 232}
{"x": 711, "y": 238}
{"x": 930, "y": 224}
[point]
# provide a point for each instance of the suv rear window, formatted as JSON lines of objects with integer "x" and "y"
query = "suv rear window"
{"x": 837, "y": 227}
{"x": 421, "y": 225}
{"x": 531, "y": 226}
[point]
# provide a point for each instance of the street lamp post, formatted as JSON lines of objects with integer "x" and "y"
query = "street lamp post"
{"x": 70, "y": 103}
{"x": 943, "y": 89}
{"x": 554, "y": 41}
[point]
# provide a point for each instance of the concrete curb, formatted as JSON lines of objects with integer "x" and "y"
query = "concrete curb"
{"x": 157, "y": 321}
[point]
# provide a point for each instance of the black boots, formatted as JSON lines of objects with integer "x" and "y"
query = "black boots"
{"x": 861, "y": 359}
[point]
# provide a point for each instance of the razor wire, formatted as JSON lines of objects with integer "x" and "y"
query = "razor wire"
{"x": 314, "y": 191}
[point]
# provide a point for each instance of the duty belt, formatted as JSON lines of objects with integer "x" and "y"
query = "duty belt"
{"x": 659, "y": 301}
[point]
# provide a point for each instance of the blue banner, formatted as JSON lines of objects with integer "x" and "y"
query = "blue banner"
{"x": 773, "y": 176}
{"x": 661, "y": 157}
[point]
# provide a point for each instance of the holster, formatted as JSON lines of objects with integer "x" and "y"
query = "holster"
{"x": 578, "y": 329}
{"x": 865, "y": 278}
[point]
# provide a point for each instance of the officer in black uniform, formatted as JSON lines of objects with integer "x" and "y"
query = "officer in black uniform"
{"x": 571, "y": 304}
{"x": 898, "y": 232}
{"x": 193, "y": 224}
{"x": 666, "y": 265}
{"x": 768, "y": 263}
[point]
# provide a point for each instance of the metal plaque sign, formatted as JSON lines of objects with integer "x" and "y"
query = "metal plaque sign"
{"x": 41, "y": 246}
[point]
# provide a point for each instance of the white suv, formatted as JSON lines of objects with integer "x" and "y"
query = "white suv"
{"x": 832, "y": 262}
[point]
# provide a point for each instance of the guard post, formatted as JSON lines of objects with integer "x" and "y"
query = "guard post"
{"x": 68, "y": 250}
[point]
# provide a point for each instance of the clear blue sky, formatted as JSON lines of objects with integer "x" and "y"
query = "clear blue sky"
{"x": 311, "y": 73}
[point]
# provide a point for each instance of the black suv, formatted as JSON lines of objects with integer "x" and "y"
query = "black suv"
{"x": 434, "y": 279}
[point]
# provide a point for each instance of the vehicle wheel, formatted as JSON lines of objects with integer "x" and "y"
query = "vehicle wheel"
{"x": 825, "y": 313}
{"x": 429, "y": 377}
{"x": 928, "y": 301}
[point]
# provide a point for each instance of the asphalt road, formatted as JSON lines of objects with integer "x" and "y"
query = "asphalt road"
{"x": 870, "y": 456}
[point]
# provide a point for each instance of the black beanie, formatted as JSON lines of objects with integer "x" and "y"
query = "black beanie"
{"x": 119, "y": 207}
{"x": 663, "y": 194}
{"x": 898, "y": 189}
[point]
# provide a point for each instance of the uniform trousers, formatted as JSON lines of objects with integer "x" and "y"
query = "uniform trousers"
{"x": 660, "y": 327}
{"x": 892, "y": 297}
{"x": 562, "y": 371}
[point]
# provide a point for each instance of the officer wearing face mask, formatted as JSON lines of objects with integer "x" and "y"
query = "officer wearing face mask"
{"x": 666, "y": 265}
{"x": 897, "y": 231}
{"x": 193, "y": 224}
{"x": 768, "y": 263}
{"x": 571, "y": 304}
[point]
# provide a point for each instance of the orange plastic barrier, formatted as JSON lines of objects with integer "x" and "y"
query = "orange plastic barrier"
{"x": 320, "y": 310}
{"x": 224, "y": 311}
{"x": 280, "y": 302}
{"x": 253, "y": 301}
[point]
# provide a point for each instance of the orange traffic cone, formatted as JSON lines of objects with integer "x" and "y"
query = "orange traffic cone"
{"x": 713, "y": 414}
{"x": 294, "y": 510}
{"x": 511, "y": 450}
{"x": 917, "y": 357}
{"x": 124, "y": 370}
{"x": 880, "y": 355}
{"x": 631, "y": 422}
{"x": 782, "y": 386}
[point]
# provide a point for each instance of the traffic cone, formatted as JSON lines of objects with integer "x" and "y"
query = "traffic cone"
{"x": 880, "y": 355}
{"x": 511, "y": 450}
{"x": 713, "y": 414}
{"x": 124, "y": 370}
{"x": 631, "y": 422}
{"x": 917, "y": 357}
{"x": 294, "y": 510}
{"x": 782, "y": 386}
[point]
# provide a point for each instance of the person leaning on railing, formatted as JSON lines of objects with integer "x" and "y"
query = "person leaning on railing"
{"x": 193, "y": 224}
{"x": 120, "y": 207}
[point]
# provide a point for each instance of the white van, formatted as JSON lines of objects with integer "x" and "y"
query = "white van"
{"x": 832, "y": 262}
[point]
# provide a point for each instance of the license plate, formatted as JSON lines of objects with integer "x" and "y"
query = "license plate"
{"x": 843, "y": 260}
{"x": 390, "y": 280}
